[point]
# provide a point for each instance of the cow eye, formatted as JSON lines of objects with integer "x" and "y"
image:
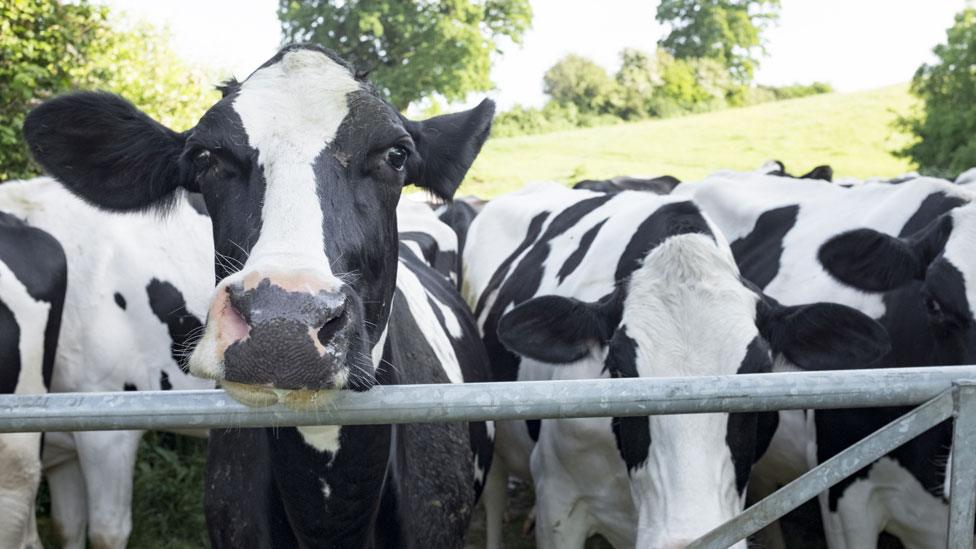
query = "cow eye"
{"x": 202, "y": 161}
{"x": 396, "y": 157}
{"x": 932, "y": 306}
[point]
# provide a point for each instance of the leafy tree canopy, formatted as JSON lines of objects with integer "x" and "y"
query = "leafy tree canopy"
{"x": 48, "y": 47}
{"x": 411, "y": 49}
{"x": 946, "y": 123}
{"x": 579, "y": 81}
{"x": 729, "y": 31}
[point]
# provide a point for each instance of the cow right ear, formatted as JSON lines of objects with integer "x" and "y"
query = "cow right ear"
{"x": 557, "y": 329}
{"x": 876, "y": 262}
{"x": 107, "y": 151}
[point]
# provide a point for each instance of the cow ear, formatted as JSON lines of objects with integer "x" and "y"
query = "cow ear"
{"x": 876, "y": 262}
{"x": 822, "y": 336}
{"x": 447, "y": 146}
{"x": 824, "y": 173}
{"x": 557, "y": 329}
{"x": 106, "y": 150}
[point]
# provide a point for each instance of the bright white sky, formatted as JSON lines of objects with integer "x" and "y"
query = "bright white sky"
{"x": 852, "y": 44}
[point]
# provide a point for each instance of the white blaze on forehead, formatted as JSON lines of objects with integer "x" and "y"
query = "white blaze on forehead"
{"x": 291, "y": 111}
{"x": 689, "y": 314}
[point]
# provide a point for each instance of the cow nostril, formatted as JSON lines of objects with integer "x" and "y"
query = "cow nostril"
{"x": 328, "y": 330}
{"x": 238, "y": 302}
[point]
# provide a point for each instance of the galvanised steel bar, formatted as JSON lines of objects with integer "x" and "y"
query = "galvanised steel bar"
{"x": 830, "y": 472}
{"x": 962, "y": 489}
{"x": 481, "y": 401}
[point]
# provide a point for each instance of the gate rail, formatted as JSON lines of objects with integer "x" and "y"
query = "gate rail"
{"x": 943, "y": 393}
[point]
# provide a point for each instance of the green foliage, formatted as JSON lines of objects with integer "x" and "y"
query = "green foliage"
{"x": 38, "y": 42}
{"x": 728, "y": 31}
{"x": 575, "y": 80}
{"x": 48, "y": 47}
{"x": 169, "y": 483}
{"x": 646, "y": 85}
{"x": 413, "y": 49}
{"x": 944, "y": 127}
{"x": 167, "y": 496}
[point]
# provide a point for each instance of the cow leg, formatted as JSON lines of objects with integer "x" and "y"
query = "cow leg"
{"x": 108, "y": 461}
{"x": 20, "y": 475}
{"x": 494, "y": 496}
{"x": 785, "y": 460}
{"x": 772, "y": 535}
{"x": 559, "y": 521}
{"x": 858, "y": 520}
{"x": 67, "y": 487}
{"x": 562, "y": 520}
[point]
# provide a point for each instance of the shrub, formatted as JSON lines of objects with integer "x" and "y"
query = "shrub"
{"x": 944, "y": 127}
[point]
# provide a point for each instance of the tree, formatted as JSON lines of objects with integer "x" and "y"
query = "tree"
{"x": 411, "y": 49}
{"x": 945, "y": 125}
{"x": 575, "y": 80}
{"x": 729, "y": 31}
{"x": 637, "y": 79}
{"x": 48, "y": 48}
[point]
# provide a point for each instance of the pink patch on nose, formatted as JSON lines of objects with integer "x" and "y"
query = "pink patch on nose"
{"x": 230, "y": 325}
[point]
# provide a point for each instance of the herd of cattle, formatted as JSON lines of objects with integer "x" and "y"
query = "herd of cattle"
{"x": 267, "y": 250}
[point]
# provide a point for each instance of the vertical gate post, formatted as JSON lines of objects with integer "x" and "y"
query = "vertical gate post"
{"x": 962, "y": 491}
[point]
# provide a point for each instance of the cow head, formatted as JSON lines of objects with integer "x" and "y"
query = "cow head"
{"x": 933, "y": 272}
{"x": 301, "y": 166}
{"x": 685, "y": 311}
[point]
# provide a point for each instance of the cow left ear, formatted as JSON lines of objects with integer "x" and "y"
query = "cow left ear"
{"x": 557, "y": 329}
{"x": 822, "y": 336}
{"x": 876, "y": 262}
{"x": 446, "y": 147}
{"x": 108, "y": 152}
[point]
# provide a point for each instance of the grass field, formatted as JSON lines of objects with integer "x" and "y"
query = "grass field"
{"x": 852, "y": 132}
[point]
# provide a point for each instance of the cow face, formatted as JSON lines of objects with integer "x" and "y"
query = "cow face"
{"x": 685, "y": 311}
{"x": 301, "y": 166}
{"x": 932, "y": 273}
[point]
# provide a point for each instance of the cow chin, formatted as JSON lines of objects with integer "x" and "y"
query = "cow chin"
{"x": 258, "y": 396}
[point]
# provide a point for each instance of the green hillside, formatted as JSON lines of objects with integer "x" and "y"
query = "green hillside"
{"x": 851, "y": 131}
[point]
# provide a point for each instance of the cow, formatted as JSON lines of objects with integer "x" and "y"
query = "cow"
{"x": 776, "y": 168}
{"x": 574, "y": 284}
{"x": 902, "y": 254}
{"x": 301, "y": 166}
{"x": 967, "y": 177}
{"x": 33, "y": 273}
{"x": 137, "y": 292}
{"x": 458, "y": 215}
{"x": 431, "y": 240}
{"x": 661, "y": 185}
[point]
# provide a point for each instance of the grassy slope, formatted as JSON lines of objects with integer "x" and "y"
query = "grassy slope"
{"x": 852, "y": 132}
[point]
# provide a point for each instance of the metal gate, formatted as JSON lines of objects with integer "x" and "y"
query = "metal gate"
{"x": 940, "y": 392}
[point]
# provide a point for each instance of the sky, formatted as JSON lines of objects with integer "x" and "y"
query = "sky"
{"x": 851, "y": 44}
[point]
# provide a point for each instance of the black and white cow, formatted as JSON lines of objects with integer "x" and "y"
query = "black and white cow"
{"x": 301, "y": 166}
{"x": 458, "y": 215}
{"x": 137, "y": 291}
{"x": 32, "y": 287}
{"x": 660, "y": 185}
{"x": 571, "y": 284}
{"x": 776, "y": 168}
{"x": 967, "y": 177}
{"x": 902, "y": 254}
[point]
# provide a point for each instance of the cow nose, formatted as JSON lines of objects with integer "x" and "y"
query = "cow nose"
{"x": 322, "y": 312}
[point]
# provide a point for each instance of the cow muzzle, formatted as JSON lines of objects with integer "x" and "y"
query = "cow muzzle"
{"x": 273, "y": 335}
